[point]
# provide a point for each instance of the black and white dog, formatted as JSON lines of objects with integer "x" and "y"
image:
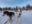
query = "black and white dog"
{"x": 10, "y": 14}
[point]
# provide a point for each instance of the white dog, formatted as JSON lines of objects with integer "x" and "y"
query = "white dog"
{"x": 18, "y": 16}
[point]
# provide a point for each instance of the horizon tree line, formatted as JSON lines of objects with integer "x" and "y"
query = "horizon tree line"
{"x": 24, "y": 8}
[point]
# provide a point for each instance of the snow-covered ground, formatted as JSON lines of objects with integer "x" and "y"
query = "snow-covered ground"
{"x": 26, "y": 18}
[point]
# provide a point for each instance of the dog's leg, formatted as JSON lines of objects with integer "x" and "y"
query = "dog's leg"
{"x": 10, "y": 21}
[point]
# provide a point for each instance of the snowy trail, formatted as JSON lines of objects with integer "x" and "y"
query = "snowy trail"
{"x": 26, "y": 18}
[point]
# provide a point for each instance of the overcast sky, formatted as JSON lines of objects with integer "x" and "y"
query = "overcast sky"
{"x": 13, "y": 3}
